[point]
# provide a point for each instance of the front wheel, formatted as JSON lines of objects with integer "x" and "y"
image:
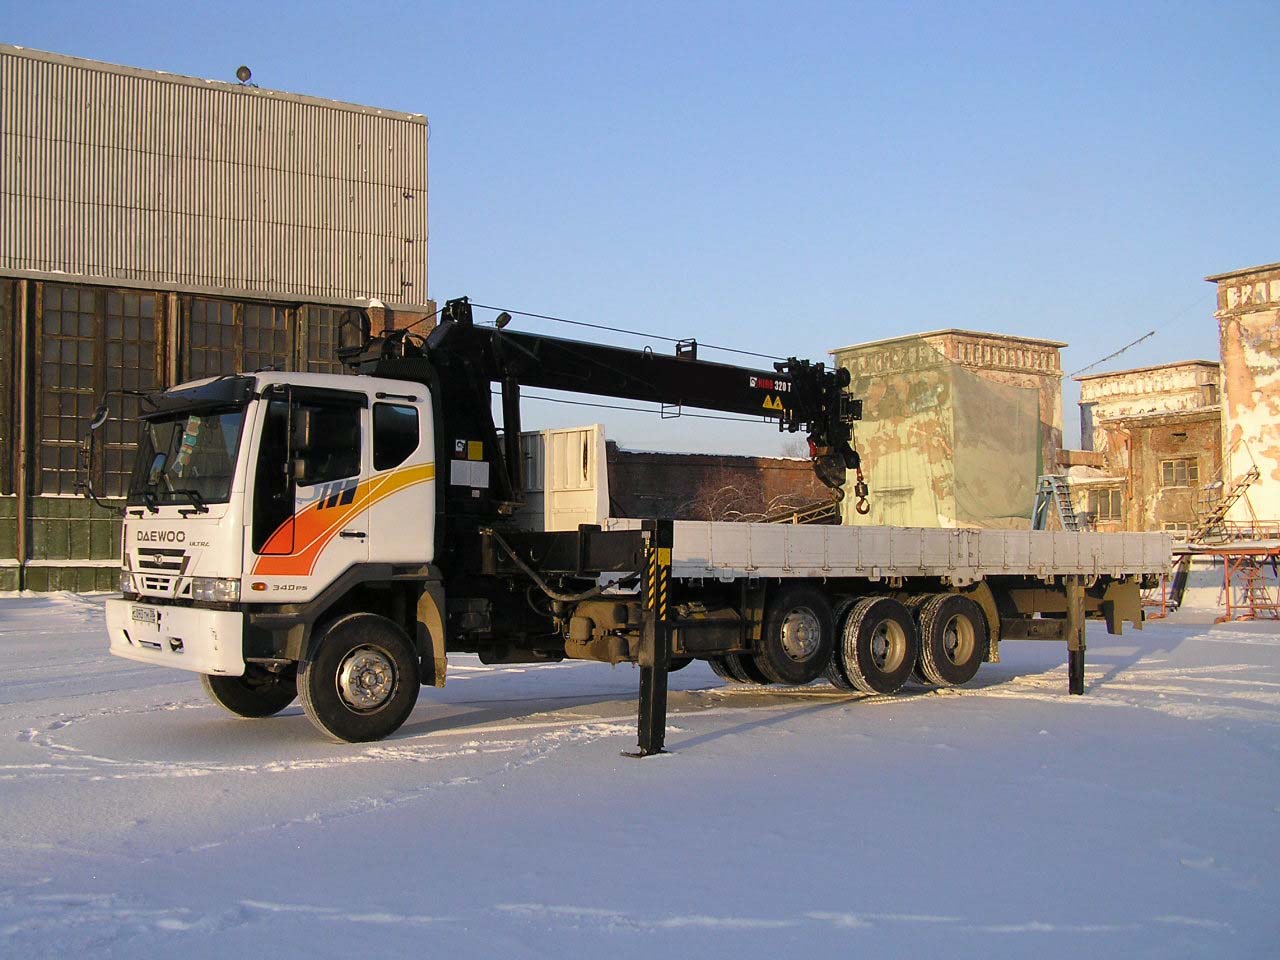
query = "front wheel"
{"x": 259, "y": 693}
{"x": 361, "y": 681}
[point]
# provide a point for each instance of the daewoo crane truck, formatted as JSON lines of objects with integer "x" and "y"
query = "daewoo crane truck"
{"x": 335, "y": 538}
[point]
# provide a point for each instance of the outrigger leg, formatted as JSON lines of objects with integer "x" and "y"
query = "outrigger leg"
{"x": 1075, "y": 635}
{"x": 655, "y": 651}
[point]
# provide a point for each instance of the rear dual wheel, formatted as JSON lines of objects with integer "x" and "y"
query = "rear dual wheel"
{"x": 799, "y": 635}
{"x": 796, "y": 644}
{"x": 738, "y": 668}
{"x": 877, "y": 647}
{"x": 954, "y": 637}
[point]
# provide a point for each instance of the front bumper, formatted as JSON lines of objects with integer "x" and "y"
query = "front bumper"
{"x": 203, "y": 641}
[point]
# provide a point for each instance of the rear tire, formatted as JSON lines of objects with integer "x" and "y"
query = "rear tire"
{"x": 721, "y": 668}
{"x": 259, "y": 693}
{"x": 953, "y": 639}
{"x": 746, "y": 664}
{"x": 361, "y": 682}
{"x": 834, "y": 674}
{"x": 799, "y": 635}
{"x": 878, "y": 645}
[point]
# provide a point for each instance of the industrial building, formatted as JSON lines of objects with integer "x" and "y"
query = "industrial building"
{"x": 160, "y": 228}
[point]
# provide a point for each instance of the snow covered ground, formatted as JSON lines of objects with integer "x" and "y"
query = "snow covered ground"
{"x": 1002, "y": 820}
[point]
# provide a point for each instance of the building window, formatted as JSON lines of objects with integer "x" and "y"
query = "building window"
{"x": 266, "y": 338}
{"x": 1180, "y": 531}
{"x": 327, "y": 330}
{"x": 8, "y": 376}
{"x": 91, "y": 340}
{"x": 211, "y": 339}
{"x": 131, "y": 355}
{"x": 1184, "y": 472}
{"x": 69, "y": 338}
{"x": 1106, "y": 504}
{"x": 223, "y": 337}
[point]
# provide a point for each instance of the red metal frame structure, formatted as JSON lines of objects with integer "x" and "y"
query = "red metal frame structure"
{"x": 1250, "y": 579}
{"x": 1158, "y": 604}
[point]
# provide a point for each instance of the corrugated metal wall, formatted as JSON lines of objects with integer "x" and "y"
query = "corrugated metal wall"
{"x": 121, "y": 174}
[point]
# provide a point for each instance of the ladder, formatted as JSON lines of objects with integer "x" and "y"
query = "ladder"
{"x": 1204, "y": 526}
{"x": 1053, "y": 489}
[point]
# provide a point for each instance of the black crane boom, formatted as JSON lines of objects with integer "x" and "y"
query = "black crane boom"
{"x": 799, "y": 395}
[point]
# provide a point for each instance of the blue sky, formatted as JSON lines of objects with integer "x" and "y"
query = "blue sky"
{"x": 792, "y": 178}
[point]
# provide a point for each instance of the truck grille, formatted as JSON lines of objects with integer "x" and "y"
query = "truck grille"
{"x": 153, "y": 583}
{"x": 162, "y": 560}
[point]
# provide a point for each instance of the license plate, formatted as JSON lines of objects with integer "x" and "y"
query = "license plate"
{"x": 145, "y": 615}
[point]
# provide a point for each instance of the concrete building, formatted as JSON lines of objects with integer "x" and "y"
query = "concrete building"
{"x": 160, "y": 228}
{"x": 1249, "y": 328}
{"x": 957, "y": 426}
{"x": 1187, "y": 385}
{"x": 1160, "y": 471}
{"x": 1153, "y": 435}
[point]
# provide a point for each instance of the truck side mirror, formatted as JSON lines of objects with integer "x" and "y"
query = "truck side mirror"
{"x": 301, "y": 469}
{"x": 100, "y": 417}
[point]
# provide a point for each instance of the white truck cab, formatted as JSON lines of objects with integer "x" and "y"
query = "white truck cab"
{"x": 265, "y": 489}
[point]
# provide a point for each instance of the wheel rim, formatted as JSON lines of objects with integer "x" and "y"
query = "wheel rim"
{"x": 366, "y": 679}
{"x": 801, "y": 634}
{"x": 888, "y": 646}
{"x": 958, "y": 640}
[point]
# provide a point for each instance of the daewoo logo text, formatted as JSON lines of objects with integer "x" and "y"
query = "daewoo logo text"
{"x": 162, "y": 536}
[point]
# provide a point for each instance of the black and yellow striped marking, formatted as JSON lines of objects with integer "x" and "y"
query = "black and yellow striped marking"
{"x": 659, "y": 580}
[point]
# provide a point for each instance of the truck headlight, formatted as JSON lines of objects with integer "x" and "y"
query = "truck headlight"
{"x": 126, "y": 582}
{"x": 215, "y": 589}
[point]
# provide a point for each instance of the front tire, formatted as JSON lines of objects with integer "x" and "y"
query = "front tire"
{"x": 361, "y": 681}
{"x": 259, "y": 693}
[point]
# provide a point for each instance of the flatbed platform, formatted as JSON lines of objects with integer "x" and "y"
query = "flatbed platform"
{"x": 727, "y": 551}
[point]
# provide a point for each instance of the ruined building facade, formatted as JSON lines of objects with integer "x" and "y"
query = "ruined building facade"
{"x": 1249, "y": 329}
{"x": 1164, "y": 444}
{"x": 1154, "y": 432}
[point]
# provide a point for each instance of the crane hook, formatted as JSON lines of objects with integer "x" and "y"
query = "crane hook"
{"x": 860, "y": 490}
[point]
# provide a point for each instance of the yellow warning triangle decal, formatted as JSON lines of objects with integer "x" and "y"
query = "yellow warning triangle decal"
{"x": 773, "y": 403}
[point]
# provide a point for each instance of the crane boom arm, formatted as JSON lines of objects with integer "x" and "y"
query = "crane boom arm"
{"x": 799, "y": 395}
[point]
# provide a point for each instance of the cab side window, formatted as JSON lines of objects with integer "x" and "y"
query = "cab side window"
{"x": 395, "y": 434}
{"x": 333, "y": 450}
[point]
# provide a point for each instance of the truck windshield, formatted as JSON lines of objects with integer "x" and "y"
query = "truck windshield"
{"x": 187, "y": 458}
